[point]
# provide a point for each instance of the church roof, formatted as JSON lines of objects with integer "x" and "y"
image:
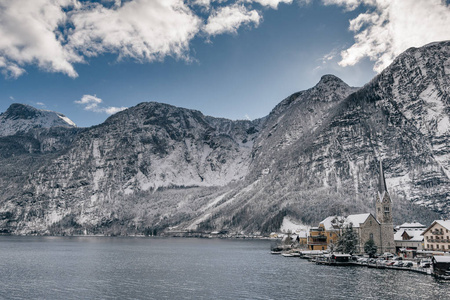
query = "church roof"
{"x": 357, "y": 220}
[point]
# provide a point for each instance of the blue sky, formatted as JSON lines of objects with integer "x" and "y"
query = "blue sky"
{"x": 232, "y": 59}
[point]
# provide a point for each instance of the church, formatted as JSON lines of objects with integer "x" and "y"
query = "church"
{"x": 378, "y": 228}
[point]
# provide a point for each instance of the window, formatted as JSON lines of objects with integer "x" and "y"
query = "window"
{"x": 371, "y": 236}
{"x": 386, "y": 209}
{"x": 331, "y": 234}
{"x": 437, "y": 246}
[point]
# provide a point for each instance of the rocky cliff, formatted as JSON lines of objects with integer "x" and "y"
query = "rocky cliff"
{"x": 157, "y": 167}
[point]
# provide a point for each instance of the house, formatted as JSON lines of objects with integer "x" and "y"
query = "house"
{"x": 317, "y": 239}
{"x": 332, "y": 227}
{"x": 437, "y": 236}
{"x": 408, "y": 239}
{"x": 441, "y": 266}
{"x": 303, "y": 237}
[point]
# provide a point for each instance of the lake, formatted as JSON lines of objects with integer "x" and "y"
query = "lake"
{"x": 182, "y": 268}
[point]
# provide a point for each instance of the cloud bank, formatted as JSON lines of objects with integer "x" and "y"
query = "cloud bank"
{"x": 55, "y": 35}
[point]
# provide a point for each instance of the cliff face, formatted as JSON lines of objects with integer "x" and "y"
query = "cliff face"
{"x": 156, "y": 166}
{"x": 144, "y": 149}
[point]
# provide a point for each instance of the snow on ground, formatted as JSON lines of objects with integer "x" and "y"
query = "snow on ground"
{"x": 202, "y": 218}
{"x": 215, "y": 201}
{"x": 289, "y": 226}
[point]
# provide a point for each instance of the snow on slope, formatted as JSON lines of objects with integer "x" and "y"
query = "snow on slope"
{"x": 21, "y": 118}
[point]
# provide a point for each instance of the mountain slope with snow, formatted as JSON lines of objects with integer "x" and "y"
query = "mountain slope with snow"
{"x": 158, "y": 167}
{"x": 20, "y": 118}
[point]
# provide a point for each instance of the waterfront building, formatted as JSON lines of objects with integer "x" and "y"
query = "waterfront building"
{"x": 409, "y": 239}
{"x": 437, "y": 236}
{"x": 332, "y": 227}
{"x": 317, "y": 239}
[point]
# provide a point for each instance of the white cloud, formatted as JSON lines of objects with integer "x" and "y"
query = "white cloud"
{"x": 57, "y": 34}
{"x": 145, "y": 30}
{"x": 229, "y": 18}
{"x": 392, "y": 27}
{"x": 40, "y": 103}
{"x": 91, "y": 103}
{"x": 271, "y": 3}
{"x": 27, "y": 30}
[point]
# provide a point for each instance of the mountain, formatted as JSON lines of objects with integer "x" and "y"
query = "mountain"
{"x": 156, "y": 167}
{"x": 19, "y": 118}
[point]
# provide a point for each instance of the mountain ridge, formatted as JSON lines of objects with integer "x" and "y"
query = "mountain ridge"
{"x": 155, "y": 167}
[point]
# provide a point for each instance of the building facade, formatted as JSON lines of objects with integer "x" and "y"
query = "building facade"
{"x": 437, "y": 236}
{"x": 409, "y": 239}
{"x": 317, "y": 239}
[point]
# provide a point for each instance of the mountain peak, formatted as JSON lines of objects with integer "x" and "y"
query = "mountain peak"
{"x": 22, "y": 117}
{"x": 331, "y": 88}
{"x": 331, "y": 79}
{"x": 20, "y": 111}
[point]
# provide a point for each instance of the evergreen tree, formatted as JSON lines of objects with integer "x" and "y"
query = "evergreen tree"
{"x": 370, "y": 248}
{"x": 348, "y": 241}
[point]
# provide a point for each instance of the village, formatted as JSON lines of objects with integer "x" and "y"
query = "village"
{"x": 373, "y": 241}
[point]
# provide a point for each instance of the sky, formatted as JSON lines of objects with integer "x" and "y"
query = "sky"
{"x": 235, "y": 59}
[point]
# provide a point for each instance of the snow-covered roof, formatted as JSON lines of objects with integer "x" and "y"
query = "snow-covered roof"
{"x": 328, "y": 223}
{"x": 416, "y": 235}
{"x": 302, "y": 234}
{"x": 444, "y": 223}
{"x": 440, "y": 259}
{"x": 357, "y": 220}
{"x": 412, "y": 225}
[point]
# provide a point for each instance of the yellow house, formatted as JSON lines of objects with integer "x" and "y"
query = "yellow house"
{"x": 437, "y": 236}
{"x": 326, "y": 233}
{"x": 317, "y": 239}
{"x": 332, "y": 227}
{"x": 303, "y": 238}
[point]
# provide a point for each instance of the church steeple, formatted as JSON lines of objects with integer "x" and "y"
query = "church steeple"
{"x": 383, "y": 202}
{"x": 381, "y": 180}
{"x": 383, "y": 205}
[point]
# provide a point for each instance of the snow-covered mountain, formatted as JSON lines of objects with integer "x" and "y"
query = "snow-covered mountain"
{"x": 20, "y": 118}
{"x": 156, "y": 166}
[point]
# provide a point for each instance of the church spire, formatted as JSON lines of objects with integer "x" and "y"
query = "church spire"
{"x": 381, "y": 180}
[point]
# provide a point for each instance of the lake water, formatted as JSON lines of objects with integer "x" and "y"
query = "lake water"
{"x": 158, "y": 268}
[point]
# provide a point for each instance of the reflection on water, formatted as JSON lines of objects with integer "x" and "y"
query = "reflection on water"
{"x": 156, "y": 268}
